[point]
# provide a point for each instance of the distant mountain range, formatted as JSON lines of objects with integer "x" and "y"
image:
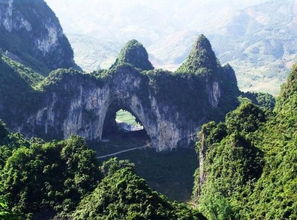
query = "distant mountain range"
{"x": 259, "y": 41}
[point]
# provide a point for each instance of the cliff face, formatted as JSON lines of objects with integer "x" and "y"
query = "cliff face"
{"x": 30, "y": 33}
{"x": 170, "y": 106}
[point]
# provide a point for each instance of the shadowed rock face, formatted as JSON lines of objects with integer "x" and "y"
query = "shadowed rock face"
{"x": 80, "y": 106}
{"x": 170, "y": 106}
{"x": 30, "y": 33}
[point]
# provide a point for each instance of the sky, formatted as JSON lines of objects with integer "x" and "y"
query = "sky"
{"x": 97, "y": 29}
{"x": 86, "y": 15}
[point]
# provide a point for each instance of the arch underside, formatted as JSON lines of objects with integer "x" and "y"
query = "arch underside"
{"x": 111, "y": 126}
{"x": 84, "y": 108}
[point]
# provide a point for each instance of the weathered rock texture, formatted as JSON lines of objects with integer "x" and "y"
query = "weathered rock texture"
{"x": 30, "y": 33}
{"x": 170, "y": 106}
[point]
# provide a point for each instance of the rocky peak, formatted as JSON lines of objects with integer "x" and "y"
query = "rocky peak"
{"x": 30, "y": 32}
{"x": 230, "y": 73}
{"x": 135, "y": 54}
{"x": 229, "y": 79}
{"x": 201, "y": 57}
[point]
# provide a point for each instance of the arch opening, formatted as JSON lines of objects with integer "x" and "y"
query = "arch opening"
{"x": 127, "y": 122}
{"x": 122, "y": 126}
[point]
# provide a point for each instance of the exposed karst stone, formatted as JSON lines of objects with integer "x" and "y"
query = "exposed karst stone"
{"x": 31, "y": 33}
{"x": 171, "y": 107}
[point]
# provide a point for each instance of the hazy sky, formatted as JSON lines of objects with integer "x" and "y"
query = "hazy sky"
{"x": 98, "y": 29}
{"x": 105, "y": 26}
{"x": 89, "y": 14}
{"x": 155, "y": 3}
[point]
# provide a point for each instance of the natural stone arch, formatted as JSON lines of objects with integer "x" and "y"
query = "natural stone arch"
{"x": 127, "y": 98}
{"x": 113, "y": 126}
{"x": 170, "y": 106}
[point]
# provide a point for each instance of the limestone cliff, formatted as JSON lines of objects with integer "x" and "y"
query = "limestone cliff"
{"x": 30, "y": 33}
{"x": 170, "y": 106}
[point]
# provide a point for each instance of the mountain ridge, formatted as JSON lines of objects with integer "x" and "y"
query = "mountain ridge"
{"x": 158, "y": 98}
{"x": 247, "y": 163}
{"x": 237, "y": 36}
{"x": 33, "y": 36}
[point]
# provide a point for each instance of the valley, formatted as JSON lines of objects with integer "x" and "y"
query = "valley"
{"x": 132, "y": 141}
{"x": 170, "y": 173}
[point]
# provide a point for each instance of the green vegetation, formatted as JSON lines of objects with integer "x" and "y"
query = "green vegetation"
{"x": 5, "y": 213}
{"x": 57, "y": 76}
{"x": 126, "y": 117}
{"x": 249, "y": 168}
{"x": 30, "y": 76}
{"x": 8, "y": 143}
{"x": 50, "y": 176}
{"x": 201, "y": 60}
{"x": 231, "y": 161}
{"x": 16, "y": 83}
{"x": 135, "y": 54}
{"x": 264, "y": 100}
{"x": 123, "y": 195}
{"x": 39, "y": 179}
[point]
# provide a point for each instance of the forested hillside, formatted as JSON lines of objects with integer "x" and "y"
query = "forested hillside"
{"x": 59, "y": 131}
{"x": 41, "y": 180}
{"x": 248, "y": 163}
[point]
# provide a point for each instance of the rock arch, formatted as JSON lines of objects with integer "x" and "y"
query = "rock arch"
{"x": 170, "y": 106}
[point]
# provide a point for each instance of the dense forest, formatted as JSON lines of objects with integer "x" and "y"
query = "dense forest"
{"x": 247, "y": 171}
{"x": 248, "y": 163}
{"x": 40, "y": 180}
{"x": 246, "y": 141}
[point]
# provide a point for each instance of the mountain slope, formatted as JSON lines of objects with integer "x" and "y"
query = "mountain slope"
{"x": 258, "y": 41}
{"x": 201, "y": 56}
{"x": 248, "y": 163}
{"x": 16, "y": 86}
{"x": 135, "y": 54}
{"x": 33, "y": 36}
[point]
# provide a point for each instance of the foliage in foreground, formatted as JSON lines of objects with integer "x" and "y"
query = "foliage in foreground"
{"x": 124, "y": 195}
{"x": 264, "y": 100}
{"x": 40, "y": 180}
{"x": 51, "y": 176}
{"x": 249, "y": 168}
